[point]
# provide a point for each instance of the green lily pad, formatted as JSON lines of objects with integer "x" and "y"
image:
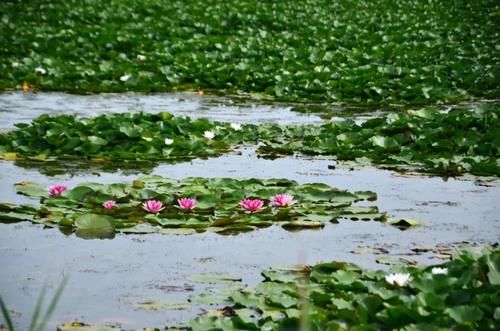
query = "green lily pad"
{"x": 213, "y": 278}
{"x": 92, "y": 226}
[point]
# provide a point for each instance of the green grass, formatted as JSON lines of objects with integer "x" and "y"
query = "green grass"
{"x": 382, "y": 51}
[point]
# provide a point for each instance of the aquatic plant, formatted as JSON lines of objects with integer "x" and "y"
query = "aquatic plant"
{"x": 109, "y": 204}
{"x": 343, "y": 296}
{"x": 218, "y": 207}
{"x": 252, "y": 205}
{"x": 153, "y": 206}
{"x": 282, "y": 200}
{"x": 57, "y": 190}
{"x": 398, "y": 279}
{"x": 367, "y": 52}
{"x": 187, "y": 203}
{"x": 446, "y": 143}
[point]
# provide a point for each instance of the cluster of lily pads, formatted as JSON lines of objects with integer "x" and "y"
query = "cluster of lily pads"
{"x": 460, "y": 295}
{"x": 154, "y": 204}
{"x": 448, "y": 143}
{"x": 139, "y": 136}
{"x": 386, "y": 51}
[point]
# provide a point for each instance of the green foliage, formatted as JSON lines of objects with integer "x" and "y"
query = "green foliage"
{"x": 356, "y": 51}
{"x": 80, "y": 208}
{"x": 445, "y": 143}
{"x": 452, "y": 143}
{"x": 121, "y": 137}
{"x": 342, "y": 296}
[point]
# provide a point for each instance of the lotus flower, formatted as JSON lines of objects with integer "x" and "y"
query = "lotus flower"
{"x": 153, "y": 206}
{"x": 251, "y": 205}
{"x": 282, "y": 200}
{"x": 187, "y": 203}
{"x": 40, "y": 71}
{"x": 235, "y": 126}
{"x": 110, "y": 204}
{"x": 439, "y": 271}
{"x": 209, "y": 135}
{"x": 398, "y": 279}
{"x": 169, "y": 141}
{"x": 57, "y": 190}
{"x": 124, "y": 78}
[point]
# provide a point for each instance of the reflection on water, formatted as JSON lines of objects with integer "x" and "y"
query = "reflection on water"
{"x": 18, "y": 107}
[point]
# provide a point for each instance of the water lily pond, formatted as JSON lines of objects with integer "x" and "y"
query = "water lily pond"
{"x": 173, "y": 274}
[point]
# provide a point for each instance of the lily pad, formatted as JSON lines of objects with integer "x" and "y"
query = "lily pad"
{"x": 213, "y": 278}
{"x": 161, "y": 305}
{"x": 92, "y": 226}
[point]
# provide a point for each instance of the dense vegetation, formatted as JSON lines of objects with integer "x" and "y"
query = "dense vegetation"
{"x": 383, "y": 51}
{"x": 459, "y": 295}
{"x": 446, "y": 143}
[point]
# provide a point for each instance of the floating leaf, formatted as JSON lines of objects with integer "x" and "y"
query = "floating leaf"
{"x": 91, "y": 226}
{"x": 213, "y": 278}
{"x": 160, "y": 305}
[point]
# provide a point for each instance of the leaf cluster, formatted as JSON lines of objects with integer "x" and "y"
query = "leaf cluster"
{"x": 364, "y": 51}
{"x": 342, "y": 296}
{"x": 80, "y": 209}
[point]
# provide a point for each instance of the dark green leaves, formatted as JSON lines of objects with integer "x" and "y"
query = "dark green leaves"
{"x": 365, "y": 51}
{"x": 449, "y": 144}
{"x": 346, "y": 296}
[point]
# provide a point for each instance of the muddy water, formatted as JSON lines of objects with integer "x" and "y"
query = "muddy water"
{"x": 108, "y": 277}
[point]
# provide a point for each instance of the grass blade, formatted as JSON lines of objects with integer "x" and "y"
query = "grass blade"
{"x": 6, "y": 315}
{"x": 38, "y": 308}
{"x": 52, "y": 306}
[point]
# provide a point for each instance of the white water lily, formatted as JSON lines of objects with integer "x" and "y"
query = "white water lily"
{"x": 141, "y": 57}
{"x": 209, "y": 135}
{"x": 40, "y": 71}
{"x": 169, "y": 141}
{"x": 439, "y": 271}
{"x": 235, "y": 126}
{"x": 398, "y": 279}
{"x": 124, "y": 78}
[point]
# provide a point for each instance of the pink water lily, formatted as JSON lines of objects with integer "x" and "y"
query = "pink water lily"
{"x": 153, "y": 206}
{"x": 57, "y": 190}
{"x": 110, "y": 204}
{"x": 187, "y": 203}
{"x": 251, "y": 205}
{"x": 282, "y": 200}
